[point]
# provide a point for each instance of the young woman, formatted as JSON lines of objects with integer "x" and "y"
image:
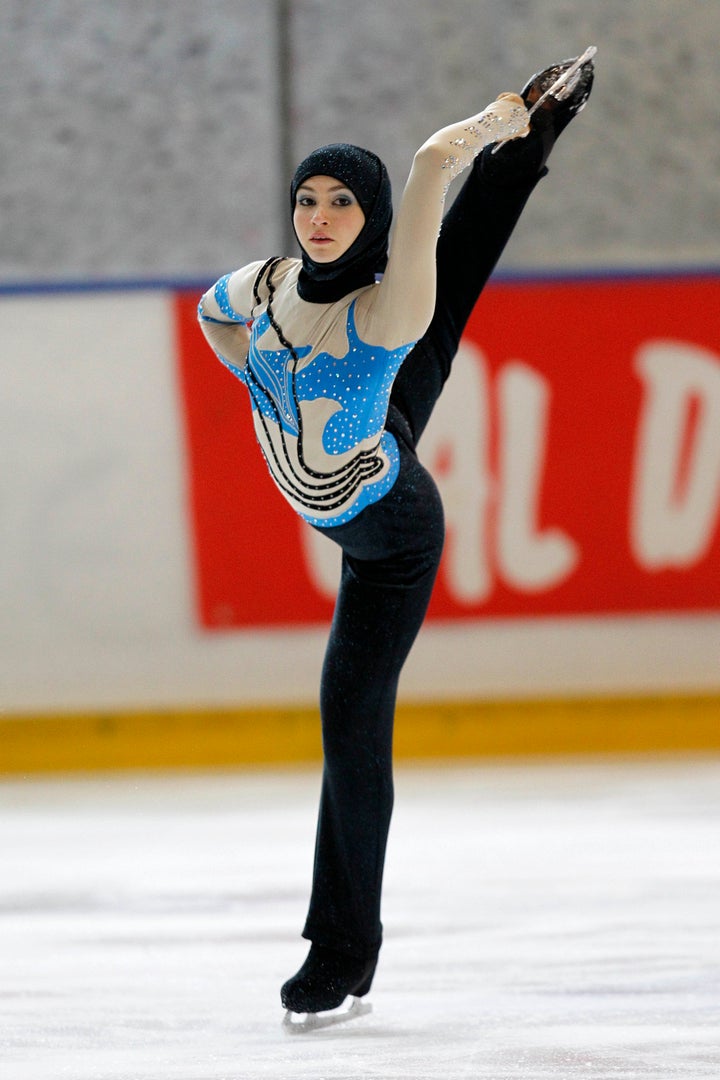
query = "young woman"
{"x": 344, "y": 354}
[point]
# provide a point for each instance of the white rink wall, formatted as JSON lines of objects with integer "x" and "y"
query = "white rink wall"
{"x": 97, "y": 573}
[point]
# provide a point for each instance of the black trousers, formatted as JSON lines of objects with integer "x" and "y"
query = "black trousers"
{"x": 391, "y": 552}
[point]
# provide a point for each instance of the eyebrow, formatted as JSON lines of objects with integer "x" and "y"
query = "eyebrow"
{"x": 333, "y": 187}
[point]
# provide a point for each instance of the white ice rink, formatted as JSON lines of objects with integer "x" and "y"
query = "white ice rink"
{"x": 542, "y": 920}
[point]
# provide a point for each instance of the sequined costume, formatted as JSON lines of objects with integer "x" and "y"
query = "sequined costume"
{"x": 319, "y": 414}
{"x": 319, "y": 405}
{"x": 338, "y": 423}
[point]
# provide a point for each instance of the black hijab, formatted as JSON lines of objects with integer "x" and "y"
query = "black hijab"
{"x": 366, "y": 176}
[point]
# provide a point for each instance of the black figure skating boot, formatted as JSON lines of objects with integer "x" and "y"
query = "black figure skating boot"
{"x": 553, "y": 98}
{"x": 557, "y": 94}
{"x": 323, "y": 983}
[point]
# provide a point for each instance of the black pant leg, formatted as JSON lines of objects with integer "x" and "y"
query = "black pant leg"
{"x": 391, "y": 553}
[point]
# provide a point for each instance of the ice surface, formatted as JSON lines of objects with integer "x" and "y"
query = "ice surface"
{"x": 542, "y": 920}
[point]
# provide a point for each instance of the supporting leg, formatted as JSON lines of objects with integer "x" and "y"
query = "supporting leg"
{"x": 390, "y": 559}
{"x": 391, "y": 553}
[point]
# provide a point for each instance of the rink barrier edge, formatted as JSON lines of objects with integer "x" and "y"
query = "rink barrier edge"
{"x": 224, "y": 737}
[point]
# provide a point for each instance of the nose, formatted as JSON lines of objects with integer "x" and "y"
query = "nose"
{"x": 319, "y": 215}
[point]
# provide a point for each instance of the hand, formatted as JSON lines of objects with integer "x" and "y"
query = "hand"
{"x": 509, "y": 109}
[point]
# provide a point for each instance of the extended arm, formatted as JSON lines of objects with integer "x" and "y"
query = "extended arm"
{"x": 405, "y": 299}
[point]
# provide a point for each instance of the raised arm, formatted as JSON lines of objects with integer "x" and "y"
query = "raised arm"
{"x": 405, "y": 299}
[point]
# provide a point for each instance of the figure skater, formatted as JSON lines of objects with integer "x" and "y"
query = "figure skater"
{"x": 344, "y": 353}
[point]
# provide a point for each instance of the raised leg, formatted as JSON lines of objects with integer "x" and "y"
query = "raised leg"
{"x": 473, "y": 236}
{"x": 477, "y": 227}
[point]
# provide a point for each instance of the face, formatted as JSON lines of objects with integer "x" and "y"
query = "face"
{"x": 327, "y": 218}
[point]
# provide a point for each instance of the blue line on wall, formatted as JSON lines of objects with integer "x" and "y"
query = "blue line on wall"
{"x": 199, "y": 285}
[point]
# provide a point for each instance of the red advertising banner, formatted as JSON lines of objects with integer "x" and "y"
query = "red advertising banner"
{"x": 576, "y": 446}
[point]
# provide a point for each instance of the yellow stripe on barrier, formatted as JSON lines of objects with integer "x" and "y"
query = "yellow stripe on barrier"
{"x": 272, "y": 736}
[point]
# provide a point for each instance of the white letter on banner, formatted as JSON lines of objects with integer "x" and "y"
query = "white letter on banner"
{"x": 529, "y": 560}
{"x": 455, "y": 449}
{"x": 673, "y": 513}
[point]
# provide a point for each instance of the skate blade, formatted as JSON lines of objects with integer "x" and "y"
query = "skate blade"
{"x": 560, "y": 89}
{"x": 562, "y": 86}
{"x": 299, "y": 1023}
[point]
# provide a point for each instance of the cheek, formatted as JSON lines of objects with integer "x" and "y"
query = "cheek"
{"x": 302, "y": 217}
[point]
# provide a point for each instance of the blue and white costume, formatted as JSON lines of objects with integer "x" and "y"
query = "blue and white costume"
{"x": 319, "y": 412}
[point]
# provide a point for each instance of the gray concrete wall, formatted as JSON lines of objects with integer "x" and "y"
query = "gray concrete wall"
{"x": 148, "y": 140}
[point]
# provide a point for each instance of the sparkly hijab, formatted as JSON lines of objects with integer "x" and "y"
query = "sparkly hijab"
{"x": 366, "y": 176}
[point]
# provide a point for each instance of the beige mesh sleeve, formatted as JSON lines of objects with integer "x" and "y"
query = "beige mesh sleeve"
{"x": 401, "y": 307}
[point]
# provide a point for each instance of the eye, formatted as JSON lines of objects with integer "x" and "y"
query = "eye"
{"x": 305, "y": 200}
{"x": 343, "y": 200}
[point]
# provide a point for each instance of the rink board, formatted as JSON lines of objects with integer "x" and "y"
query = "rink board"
{"x": 292, "y": 736}
{"x": 162, "y": 603}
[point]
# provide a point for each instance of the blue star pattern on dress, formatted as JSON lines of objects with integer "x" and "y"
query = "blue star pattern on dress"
{"x": 360, "y": 383}
{"x": 353, "y": 393}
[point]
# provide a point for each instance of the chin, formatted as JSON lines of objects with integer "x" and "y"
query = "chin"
{"x": 322, "y": 256}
